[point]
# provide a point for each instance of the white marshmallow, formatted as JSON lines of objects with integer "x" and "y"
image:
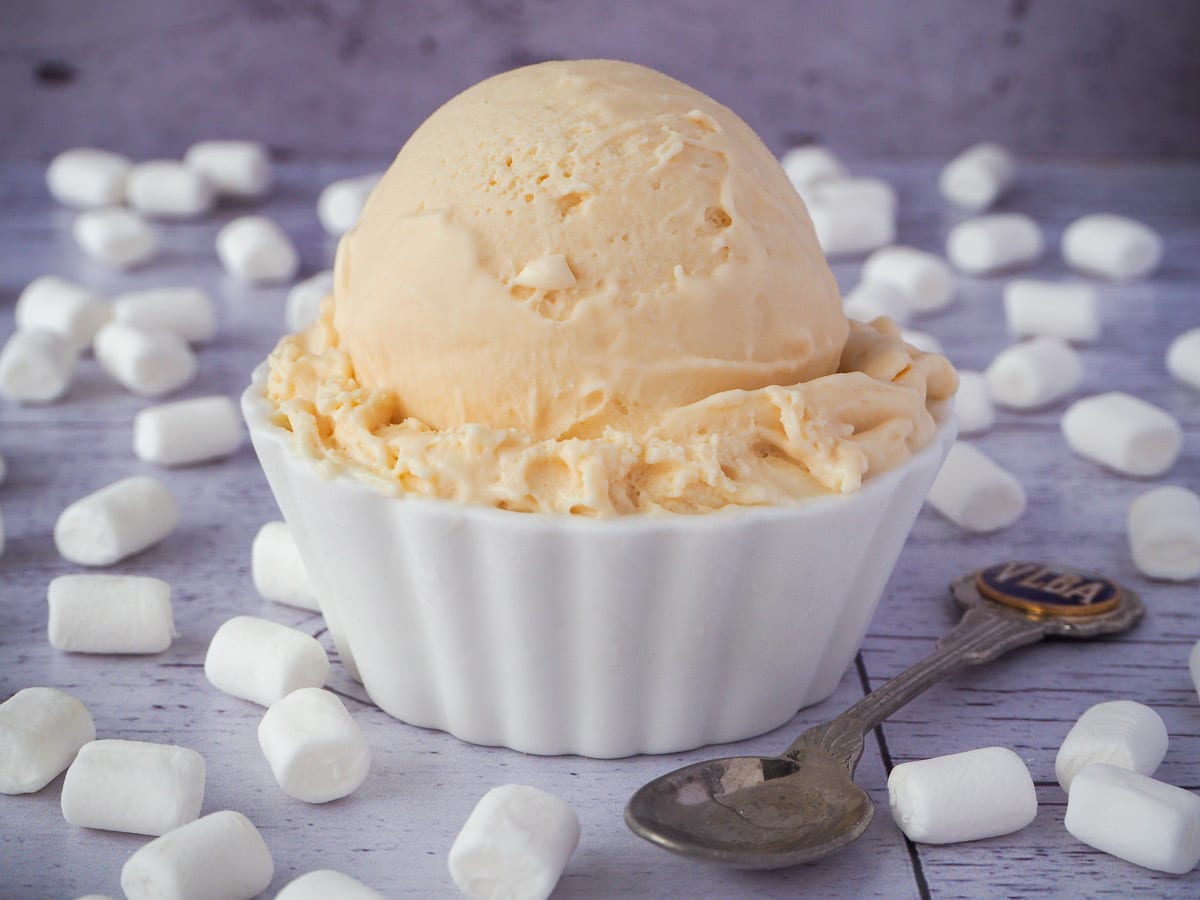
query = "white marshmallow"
{"x": 263, "y": 661}
{"x": 846, "y": 229}
{"x": 856, "y": 191}
{"x": 168, "y": 189}
{"x": 994, "y": 243}
{"x": 133, "y": 786}
{"x": 256, "y": 250}
{"x": 1034, "y": 373}
{"x": 326, "y": 884}
{"x": 68, "y": 309}
{"x": 1164, "y": 533}
{"x": 1124, "y": 433}
{"x": 1112, "y": 247}
{"x": 515, "y": 843}
{"x": 110, "y": 614}
{"x": 304, "y": 300}
{"x": 923, "y": 278}
{"x": 974, "y": 493}
{"x": 1135, "y": 818}
{"x": 185, "y": 311}
{"x": 116, "y": 521}
{"x": 1051, "y": 309}
{"x": 973, "y": 403}
{"x": 235, "y": 168}
{"x": 962, "y": 797}
{"x": 809, "y": 165}
{"x": 85, "y": 177}
{"x": 41, "y": 730}
{"x": 316, "y": 751}
{"x": 1119, "y": 733}
{"x": 187, "y": 431}
{"x": 278, "y": 569}
{"x": 36, "y": 366}
{"x": 341, "y": 203}
{"x": 218, "y": 857}
{"x": 868, "y": 300}
{"x": 922, "y": 340}
{"x": 1194, "y": 666}
{"x": 115, "y": 236}
{"x": 146, "y": 363}
{"x": 978, "y": 177}
{"x": 1183, "y": 358}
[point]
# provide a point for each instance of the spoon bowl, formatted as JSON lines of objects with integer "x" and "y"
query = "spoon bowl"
{"x": 754, "y": 812}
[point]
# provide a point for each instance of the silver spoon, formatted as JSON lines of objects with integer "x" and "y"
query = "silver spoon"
{"x": 773, "y": 811}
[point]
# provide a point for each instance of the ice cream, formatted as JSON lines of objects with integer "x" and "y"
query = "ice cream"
{"x": 584, "y": 287}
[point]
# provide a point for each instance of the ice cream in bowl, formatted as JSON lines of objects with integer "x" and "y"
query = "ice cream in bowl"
{"x": 582, "y": 454}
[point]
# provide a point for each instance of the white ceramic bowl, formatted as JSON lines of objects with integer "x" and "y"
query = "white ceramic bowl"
{"x": 555, "y": 634}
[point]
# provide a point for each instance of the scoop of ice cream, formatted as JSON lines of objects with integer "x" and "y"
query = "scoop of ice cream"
{"x": 577, "y": 245}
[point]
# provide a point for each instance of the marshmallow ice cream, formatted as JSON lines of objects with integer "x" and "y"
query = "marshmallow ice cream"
{"x": 584, "y": 287}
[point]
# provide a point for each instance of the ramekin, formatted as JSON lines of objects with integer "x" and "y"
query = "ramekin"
{"x": 553, "y": 634}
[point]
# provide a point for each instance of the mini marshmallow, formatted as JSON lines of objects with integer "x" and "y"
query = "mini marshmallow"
{"x": 1051, "y": 309}
{"x": 256, "y": 250}
{"x": 1112, "y": 247}
{"x": 316, "y": 751}
{"x": 1164, "y": 533}
{"x": 86, "y": 177}
{"x": 1034, "y": 373}
{"x": 278, "y": 570}
{"x": 218, "y": 857}
{"x": 974, "y": 492}
{"x": 146, "y": 363}
{"x": 187, "y": 431}
{"x": 168, "y": 189}
{"x": 235, "y": 168}
{"x": 962, "y": 797}
{"x": 325, "y": 884}
{"x": 854, "y": 192}
{"x": 922, "y": 340}
{"x": 41, "y": 730}
{"x": 36, "y": 366}
{"x": 1135, "y": 818}
{"x": 115, "y": 236}
{"x": 304, "y": 300}
{"x": 1119, "y": 733}
{"x": 263, "y": 661}
{"x": 994, "y": 243}
{"x": 63, "y": 307}
{"x": 809, "y": 165}
{"x": 1124, "y": 433}
{"x": 978, "y": 177}
{"x": 185, "y": 311}
{"x": 1183, "y": 358}
{"x": 851, "y": 229}
{"x": 133, "y": 786}
{"x": 341, "y": 203}
{"x": 110, "y": 614}
{"x": 515, "y": 843}
{"x": 116, "y": 521}
{"x": 924, "y": 279}
{"x": 868, "y": 300}
{"x": 973, "y": 403}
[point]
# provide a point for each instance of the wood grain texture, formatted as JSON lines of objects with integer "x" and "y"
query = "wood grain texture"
{"x": 395, "y": 831}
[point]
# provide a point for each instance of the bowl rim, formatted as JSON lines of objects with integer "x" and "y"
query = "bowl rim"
{"x": 258, "y": 412}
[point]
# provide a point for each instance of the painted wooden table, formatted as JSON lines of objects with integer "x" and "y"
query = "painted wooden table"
{"x": 395, "y": 831}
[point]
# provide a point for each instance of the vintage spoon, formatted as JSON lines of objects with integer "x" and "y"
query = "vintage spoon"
{"x": 774, "y": 811}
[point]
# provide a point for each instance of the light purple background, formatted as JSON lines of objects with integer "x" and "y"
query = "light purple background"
{"x": 351, "y": 78}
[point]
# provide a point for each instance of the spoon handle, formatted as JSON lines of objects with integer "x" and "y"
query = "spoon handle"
{"x": 984, "y": 633}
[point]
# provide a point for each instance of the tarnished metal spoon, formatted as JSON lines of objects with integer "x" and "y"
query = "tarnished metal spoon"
{"x": 774, "y": 811}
